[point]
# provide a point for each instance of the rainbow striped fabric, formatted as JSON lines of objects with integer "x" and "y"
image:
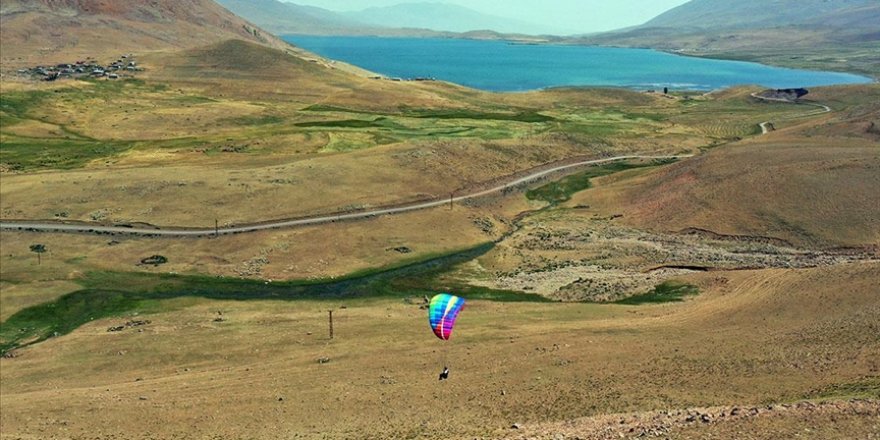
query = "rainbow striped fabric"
{"x": 443, "y": 313}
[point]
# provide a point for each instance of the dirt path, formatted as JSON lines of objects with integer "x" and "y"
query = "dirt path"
{"x": 171, "y": 231}
{"x": 767, "y": 127}
{"x": 748, "y": 421}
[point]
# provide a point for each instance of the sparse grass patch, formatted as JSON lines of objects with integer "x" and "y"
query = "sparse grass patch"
{"x": 667, "y": 292}
{"x": 18, "y": 103}
{"x": 352, "y": 123}
{"x": 561, "y": 190}
{"x": 194, "y": 99}
{"x": 867, "y": 388}
{"x": 7, "y": 119}
{"x": 636, "y": 116}
{"x": 526, "y": 116}
{"x": 146, "y": 293}
{"x": 330, "y": 108}
{"x": 67, "y": 313}
{"x": 341, "y": 142}
{"x": 254, "y": 120}
{"x": 589, "y": 130}
{"x": 28, "y": 154}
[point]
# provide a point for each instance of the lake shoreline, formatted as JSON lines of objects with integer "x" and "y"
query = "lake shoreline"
{"x": 514, "y": 66}
{"x": 538, "y": 40}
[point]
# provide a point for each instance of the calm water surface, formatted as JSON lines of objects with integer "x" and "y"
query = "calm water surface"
{"x": 503, "y": 66}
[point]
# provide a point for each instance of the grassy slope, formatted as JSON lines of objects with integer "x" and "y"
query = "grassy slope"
{"x": 511, "y": 362}
{"x": 751, "y": 14}
{"x": 814, "y": 184}
{"x": 152, "y": 138}
{"x": 802, "y": 192}
{"x": 804, "y": 48}
{"x": 281, "y": 18}
{"x": 634, "y": 358}
{"x": 815, "y": 34}
{"x": 562, "y": 190}
{"x": 39, "y": 322}
{"x": 124, "y": 130}
{"x": 145, "y": 293}
{"x": 63, "y": 31}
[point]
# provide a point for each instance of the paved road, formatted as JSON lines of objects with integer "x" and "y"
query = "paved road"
{"x": 49, "y": 226}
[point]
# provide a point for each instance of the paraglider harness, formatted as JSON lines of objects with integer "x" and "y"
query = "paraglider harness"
{"x": 444, "y": 374}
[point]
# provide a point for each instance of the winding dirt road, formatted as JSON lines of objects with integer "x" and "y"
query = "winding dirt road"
{"x": 767, "y": 127}
{"x": 93, "y": 228}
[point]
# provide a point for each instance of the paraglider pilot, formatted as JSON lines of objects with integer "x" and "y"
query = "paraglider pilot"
{"x": 442, "y": 313}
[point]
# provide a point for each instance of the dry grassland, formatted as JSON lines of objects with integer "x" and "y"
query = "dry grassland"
{"x": 809, "y": 192}
{"x": 242, "y": 133}
{"x": 318, "y": 252}
{"x": 187, "y": 153}
{"x": 752, "y": 338}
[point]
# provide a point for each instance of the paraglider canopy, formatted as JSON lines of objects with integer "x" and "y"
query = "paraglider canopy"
{"x": 442, "y": 314}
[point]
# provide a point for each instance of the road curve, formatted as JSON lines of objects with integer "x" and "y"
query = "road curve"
{"x": 49, "y": 226}
{"x": 765, "y": 126}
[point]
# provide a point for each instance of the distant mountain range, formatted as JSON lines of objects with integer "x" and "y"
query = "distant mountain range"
{"x": 819, "y": 34}
{"x": 751, "y": 14}
{"x": 816, "y": 34}
{"x": 406, "y": 19}
{"x": 289, "y": 18}
{"x": 74, "y": 28}
{"x": 441, "y": 17}
{"x": 722, "y": 24}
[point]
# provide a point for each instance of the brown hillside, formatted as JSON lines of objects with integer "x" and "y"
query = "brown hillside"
{"x": 803, "y": 192}
{"x": 246, "y": 70}
{"x": 815, "y": 185}
{"x": 751, "y": 337}
{"x": 45, "y": 30}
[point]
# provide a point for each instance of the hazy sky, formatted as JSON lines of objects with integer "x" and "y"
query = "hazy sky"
{"x": 565, "y": 15}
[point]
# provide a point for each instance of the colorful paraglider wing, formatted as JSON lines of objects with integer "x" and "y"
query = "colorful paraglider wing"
{"x": 443, "y": 313}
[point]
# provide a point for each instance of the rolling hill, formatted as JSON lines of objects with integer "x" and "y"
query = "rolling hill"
{"x": 814, "y": 34}
{"x": 290, "y": 18}
{"x": 250, "y": 71}
{"x": 813, "y": 185}
{"x": 47, "y": 30}
{"x": 418, "y": 20}
{"x": 764, "y": 324}
{"x": 750, "y": 14}
{"x": 440, "y": 17}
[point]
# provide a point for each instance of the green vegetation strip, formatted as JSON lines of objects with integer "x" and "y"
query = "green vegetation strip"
{"x": 144, "y": 293}
{"x": 865, "y": 388}
{"x": 73, "y": 151}
{"x": 528, "y": 116}
{"x": 19, "y": 103}
{"x": 352, "y": 123}
{"x": 330, "y": 108}
{"x": 668, "y": 292}
{"x": 254, "y": 120}
{"x": 561, "y": 190}
{"x": 19, "y": 153}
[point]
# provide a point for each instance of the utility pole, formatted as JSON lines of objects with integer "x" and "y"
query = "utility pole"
{"x": 451, "y": 198}
{"x": 216, "y": 228}
{"x": 331, "y": 323}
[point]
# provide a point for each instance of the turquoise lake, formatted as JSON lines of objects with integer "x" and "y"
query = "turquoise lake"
{"x": 504, "y": 66}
